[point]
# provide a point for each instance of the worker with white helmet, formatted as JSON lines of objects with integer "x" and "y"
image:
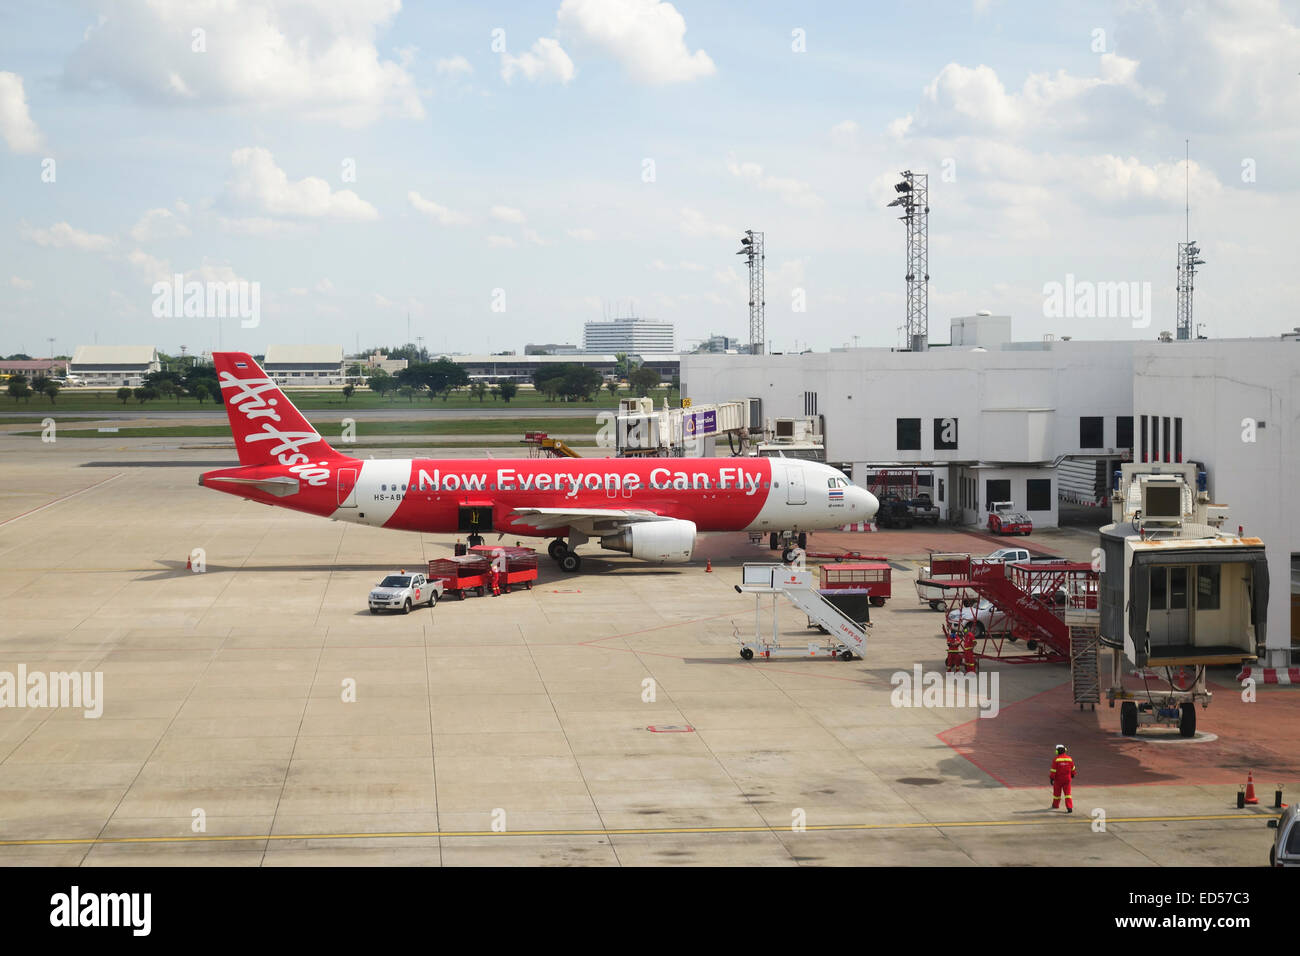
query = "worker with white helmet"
{"x": 1063, "y": 772}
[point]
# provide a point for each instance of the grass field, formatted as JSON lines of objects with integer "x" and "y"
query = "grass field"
{"x": 330, "y": 429}
{"x": 88, "y": 400}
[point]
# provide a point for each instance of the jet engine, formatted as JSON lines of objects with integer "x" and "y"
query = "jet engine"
{"x": 669, "y": 541}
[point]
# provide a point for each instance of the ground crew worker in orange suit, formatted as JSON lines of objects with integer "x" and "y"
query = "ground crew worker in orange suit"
{"x": 968, "y": 648}
{"x": 1063, "y": 772}
{"x": 954, "y": 649}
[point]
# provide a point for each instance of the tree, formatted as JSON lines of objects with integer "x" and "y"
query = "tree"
{"x": 479, "y": 389}
{"x": 347, "y": 392}
{"x": 38, "y": 383}
{"x": 139, "y": 394}
{"x": 508, "y": 391}
{"x": 168, "y": 389}
{"x": 612, "y": 388}
{"x": 642, "y": 380}
{"x": 622, "y": 367}
{"x": 381, "y": 383}
{"x": 124, "y": 394}
{"x": 495, "y": 390}
{"x": 51, "y": 389}
{"x": 569, "y": 380}
{"x": 18, "y": 388}
{"x": 438, "y": 377}
{"x": 200, "y": 392}
{"x": 407, "y": 392}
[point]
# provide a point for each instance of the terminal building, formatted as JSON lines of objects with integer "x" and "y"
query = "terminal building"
{"x": 114, "y": 366}
{"x": 990, "y": 419}
{"x": 631, "y": 335}
{"x": 305, "y": 364}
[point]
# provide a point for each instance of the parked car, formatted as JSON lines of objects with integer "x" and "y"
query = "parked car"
{"x": 1286, "y": 844}
{"x": 986, "y": 618}
{"x": 1007, "y": 555}
{"x": 403, "y": 591}
{"x": 923, "y": 510}
{"x": 1005, "y": 519}
{"x": 893, "y": 513}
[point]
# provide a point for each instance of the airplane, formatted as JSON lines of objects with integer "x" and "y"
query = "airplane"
{"x": 649, "y": 508}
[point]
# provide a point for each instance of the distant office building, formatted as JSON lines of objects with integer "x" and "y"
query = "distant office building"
{"x": 550, "y": 349}
{"x": 379, "y": 361}
{"x": 719, "y": 343}
{"x": 305, "y": 364}
{"x": 114, "y": 365}
{"x": 629, "y": 335}
{"x": 50, "y": 368}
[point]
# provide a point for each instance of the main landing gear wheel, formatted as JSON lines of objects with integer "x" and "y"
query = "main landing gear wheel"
{"x": 746, "y": 654}
{"x": 1128, "y": 719}
{"x": 557, "y": 548}
{"x": 570, "y": 562}
{"x": 475, "y": 540}
{"x": 787, "y": 556}
{"x": 1187, "y": 720}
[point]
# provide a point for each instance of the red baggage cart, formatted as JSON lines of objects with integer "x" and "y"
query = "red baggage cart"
{"x": 461, "y": 573}
{"x": 509, "y": 565}
{"x": 873, "y": 579}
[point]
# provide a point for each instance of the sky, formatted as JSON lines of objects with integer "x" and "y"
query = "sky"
{"x": 496, "y": 174}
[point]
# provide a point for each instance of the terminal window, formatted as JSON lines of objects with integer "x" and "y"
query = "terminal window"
{"x": 1038, "y": 494}
{"x": 945, "y": 433}
{"x": 1124, "y": 431}
{"x": 909, "y": 434}
{"x": 1091, "y": 434}
{"x": 997, "y": 489}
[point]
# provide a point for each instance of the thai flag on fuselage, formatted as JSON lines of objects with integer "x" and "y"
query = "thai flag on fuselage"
{"x": 836, "y": 494}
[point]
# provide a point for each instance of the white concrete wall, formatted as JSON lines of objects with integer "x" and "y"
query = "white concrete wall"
{"x": 1214, "y": 386}
{"x": 1038, "y": 394}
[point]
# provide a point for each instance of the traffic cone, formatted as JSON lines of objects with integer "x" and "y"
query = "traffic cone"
{"x": 708, "y": 568}
{"x": 1250, "y": 788}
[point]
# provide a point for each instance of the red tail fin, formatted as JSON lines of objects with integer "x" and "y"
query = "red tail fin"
{"x": 268, "y": 430}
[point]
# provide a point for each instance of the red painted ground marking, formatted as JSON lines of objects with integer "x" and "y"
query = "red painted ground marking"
{"x": 670, "y": 729}
{"x": 1015, "y": 748}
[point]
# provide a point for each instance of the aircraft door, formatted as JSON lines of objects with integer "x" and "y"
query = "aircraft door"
{"x": 795, "y": 493}
{"x": 347, "y": 488}
{"x": 1169, "y": 618}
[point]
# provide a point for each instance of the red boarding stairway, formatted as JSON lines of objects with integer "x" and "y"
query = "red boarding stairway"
{"x": 1036, "y": 597}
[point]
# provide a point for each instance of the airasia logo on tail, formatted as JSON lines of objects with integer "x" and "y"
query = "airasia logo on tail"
{"x": 246, "y": 396}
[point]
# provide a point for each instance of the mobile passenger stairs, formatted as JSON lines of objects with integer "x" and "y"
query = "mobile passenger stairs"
{"x": 543, "y": 445}
{"x": 1051, "y": 606}
{"x": 847, "y": 638}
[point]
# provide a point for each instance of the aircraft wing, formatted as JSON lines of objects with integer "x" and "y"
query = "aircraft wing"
{"x": 590, "y": 521}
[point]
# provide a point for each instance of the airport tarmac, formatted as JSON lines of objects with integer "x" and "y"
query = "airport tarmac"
{"x": 598, "y": 719}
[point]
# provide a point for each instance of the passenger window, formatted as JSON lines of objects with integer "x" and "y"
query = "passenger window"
{"x": 403, "y": 487}
{"x": 383, "y": 487}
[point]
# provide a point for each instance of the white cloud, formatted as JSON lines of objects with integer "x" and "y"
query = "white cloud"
{"x": 501, "y": 242}
{"x": 583, "y": 233}
{"x": 974, "y": 99}
{"x": 454, "y": 66}
{"x": 16, "y": 124}
{"x": 325, "y": 287}
{"x": 255, "y": 181}
{"x": 793, "y": 191}
{"x": 545, "y": 61}
{"x": 506, "y": 214}
{"x": 314, "y": 60}
{"x": 845, "y": 133}
{"x": 647, "y": 37}
{"x": 531, "y": 236}
{"x": 694, "y": 224}
{"x": 18, "y": 283}
{"x": 150, "y": 267}
{"x": 439, "y": 214}
{"x": 63, "y": 236}
{"x": 160, "y": 224}
{"x": 261, "y": 226}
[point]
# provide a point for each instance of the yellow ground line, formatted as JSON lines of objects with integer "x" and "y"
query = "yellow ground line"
{"x": 631, "y": 831}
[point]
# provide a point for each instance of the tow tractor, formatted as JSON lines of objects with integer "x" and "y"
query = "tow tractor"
{"x": 1005, "y": 519}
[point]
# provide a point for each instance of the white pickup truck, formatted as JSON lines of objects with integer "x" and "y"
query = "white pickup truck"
{"x": 403, "y": 591}
{"x": 929, "y": 587}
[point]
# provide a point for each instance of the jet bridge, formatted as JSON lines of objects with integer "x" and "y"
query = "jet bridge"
{"x": 847, "y": 637}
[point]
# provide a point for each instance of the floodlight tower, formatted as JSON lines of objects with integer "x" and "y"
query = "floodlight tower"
{"x": 751, "y": 247}
{"x": 914, "y": 199}
{"x": 1188, "y": 259}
